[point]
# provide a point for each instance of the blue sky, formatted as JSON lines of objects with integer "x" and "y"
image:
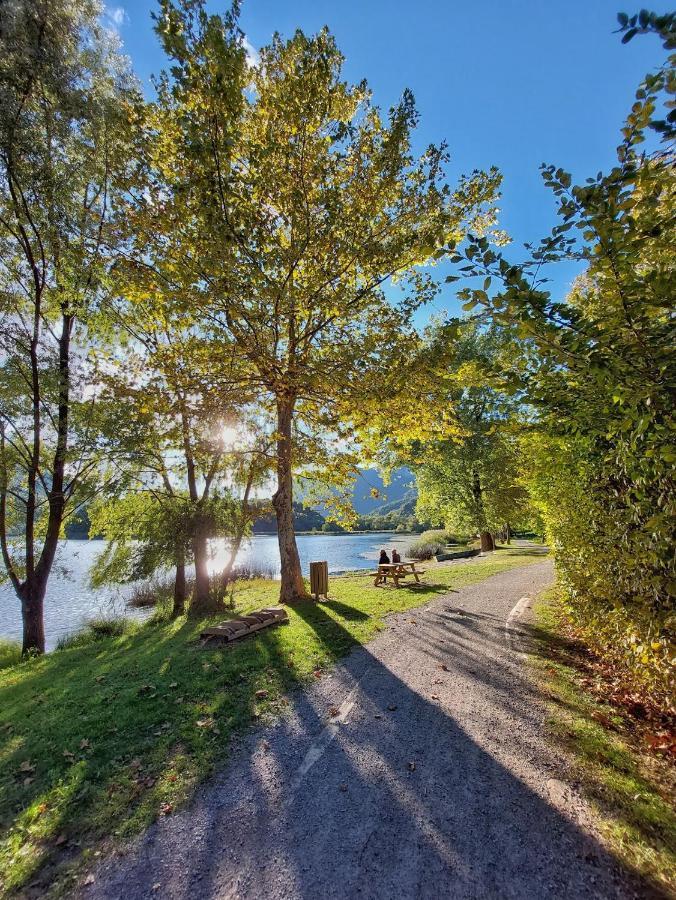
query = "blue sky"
{"x": 511, "y": 83}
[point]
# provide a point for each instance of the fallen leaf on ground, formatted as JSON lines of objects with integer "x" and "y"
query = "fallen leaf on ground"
{"x": 261, "y": 695}
{"x": 444, "y": 667}
{"x": 435, "y": 697}
{"x": 61, "y": 839}
{"x": 26, "y": 766}
{"x": 343, "y": 787}
{"x": 89, "y": 879}
{"x": 411, "y": 766}
{"x": 317, "y": 673}
{"x": 392, "y": 707}
{"x": 333, "y": 711}
{"x": 166, "y": 809}
{"x": 84, "y": 744}
{"x": 602, "y": 719}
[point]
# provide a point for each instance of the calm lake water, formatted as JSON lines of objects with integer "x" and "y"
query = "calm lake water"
{"x": 70, "y": 601}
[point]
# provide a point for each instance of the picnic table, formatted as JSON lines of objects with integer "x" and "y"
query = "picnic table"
{"x": 396, "y": 571}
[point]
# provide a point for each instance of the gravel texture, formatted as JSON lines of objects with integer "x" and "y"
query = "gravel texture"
{"x": 433, "y": 780}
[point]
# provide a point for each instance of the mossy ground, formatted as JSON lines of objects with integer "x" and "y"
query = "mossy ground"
{"x": 620, "y": 751}
{"x": 100, "y": 738}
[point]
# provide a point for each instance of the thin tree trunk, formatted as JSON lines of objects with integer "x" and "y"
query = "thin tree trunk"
{"x": 201, "y": 599}
{"x": 33, "y": 589}
{"x": 179, "y": 587}
{"x": 292, "y": 586}
{"x": 508, "y": 533}
{"x": 239, "y": 534}
{"x": 234, "y": 550}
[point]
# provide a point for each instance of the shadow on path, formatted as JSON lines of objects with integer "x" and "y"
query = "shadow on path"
{"x": 412, "y": 772}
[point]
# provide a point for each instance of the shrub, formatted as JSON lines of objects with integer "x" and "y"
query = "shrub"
{"x": 10, "y": 653}
{"x": 425, "y": 548}
{"x": 97, "y": 629}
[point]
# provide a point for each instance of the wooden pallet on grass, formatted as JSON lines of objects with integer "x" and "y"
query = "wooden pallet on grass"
{"x": 233, "y": 629}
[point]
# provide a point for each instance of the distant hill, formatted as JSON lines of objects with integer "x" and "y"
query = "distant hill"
{"x": 403, "y": 507}
{"x": 400, "y": 489}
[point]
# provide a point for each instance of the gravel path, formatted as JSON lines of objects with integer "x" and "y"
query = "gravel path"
{"x": 433, "y": 781}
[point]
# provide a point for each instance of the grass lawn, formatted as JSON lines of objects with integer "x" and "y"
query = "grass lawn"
{"x": 620, "y": 754}
{"x": 99, "y": 739}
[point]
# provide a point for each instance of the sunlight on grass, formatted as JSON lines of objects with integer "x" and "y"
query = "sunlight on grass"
{"x": 105, "y": 735}
{"x": 629, "y": 791}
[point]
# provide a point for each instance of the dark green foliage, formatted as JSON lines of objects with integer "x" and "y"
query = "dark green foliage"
{"x": 599, "y": 368}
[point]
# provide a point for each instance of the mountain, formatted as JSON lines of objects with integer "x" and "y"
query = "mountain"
{"x": 400, "y": 489}
{"x": 402, "y": 507}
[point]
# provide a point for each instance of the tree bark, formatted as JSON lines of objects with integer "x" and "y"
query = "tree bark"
{"x": 292, "y": 588}
{"x": 487, "y": 542}
{"x": 239, "y": 534}
{"x": 179, "y": 588}
{"x": 32, "y": 596}
{"x": 201, "y": 598}
{"x": 508, "y": 533}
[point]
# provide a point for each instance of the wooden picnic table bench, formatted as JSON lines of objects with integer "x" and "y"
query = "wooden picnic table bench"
{"x": 396, "y": 571}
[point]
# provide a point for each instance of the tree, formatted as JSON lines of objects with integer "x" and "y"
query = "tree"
{"x": 598, "y": 366}
{"x": 65, "y": 97}
{"x": 181, "y": 438}
{"x": 469, "y": 478}
{"x": 304, "y": 202}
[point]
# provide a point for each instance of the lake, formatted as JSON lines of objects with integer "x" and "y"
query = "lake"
{"x": 70, "y": 601}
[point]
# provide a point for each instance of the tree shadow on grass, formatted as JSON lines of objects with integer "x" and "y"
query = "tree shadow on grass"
{"x": 347, "y": 612}
{"x": 397, "y": 799}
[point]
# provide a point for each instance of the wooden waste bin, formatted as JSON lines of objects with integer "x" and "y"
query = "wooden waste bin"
{"x": 319, "y": 579}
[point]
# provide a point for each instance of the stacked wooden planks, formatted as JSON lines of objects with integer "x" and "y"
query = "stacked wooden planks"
{"x": 232, "y": 629}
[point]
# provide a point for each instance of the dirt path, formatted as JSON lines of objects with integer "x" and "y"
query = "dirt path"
{"x": 417, "y": 769}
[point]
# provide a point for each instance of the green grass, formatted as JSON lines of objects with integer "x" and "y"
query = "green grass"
{"x": 630, "y": 790}
{"x": 107, "y": 733}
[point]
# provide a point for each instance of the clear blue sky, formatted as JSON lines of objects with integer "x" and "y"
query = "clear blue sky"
{"x": 511, "y": 83}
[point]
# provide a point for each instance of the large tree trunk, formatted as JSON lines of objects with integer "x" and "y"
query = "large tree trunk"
{"x": 292, "y": 587}
{"x": 487, "y": 542}
{"x": 32, "y": 596}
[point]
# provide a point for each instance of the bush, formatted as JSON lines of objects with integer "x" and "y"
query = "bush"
{"x": 97, "y": 630}
{"x": 432, "y": 542}
{"x": 425, "y": 547}
{"x": 150, "y": 593}
{"x": 10, "y": 653}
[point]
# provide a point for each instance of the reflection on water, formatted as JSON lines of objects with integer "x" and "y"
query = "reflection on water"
{"x": 70, "y": 600}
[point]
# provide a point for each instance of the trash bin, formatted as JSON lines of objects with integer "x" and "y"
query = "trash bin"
{"x": 319, "y": 579}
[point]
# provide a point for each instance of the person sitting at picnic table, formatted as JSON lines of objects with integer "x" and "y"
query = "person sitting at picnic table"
{"x": 395, "y": 556}
{"x": 384, "y": 558}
